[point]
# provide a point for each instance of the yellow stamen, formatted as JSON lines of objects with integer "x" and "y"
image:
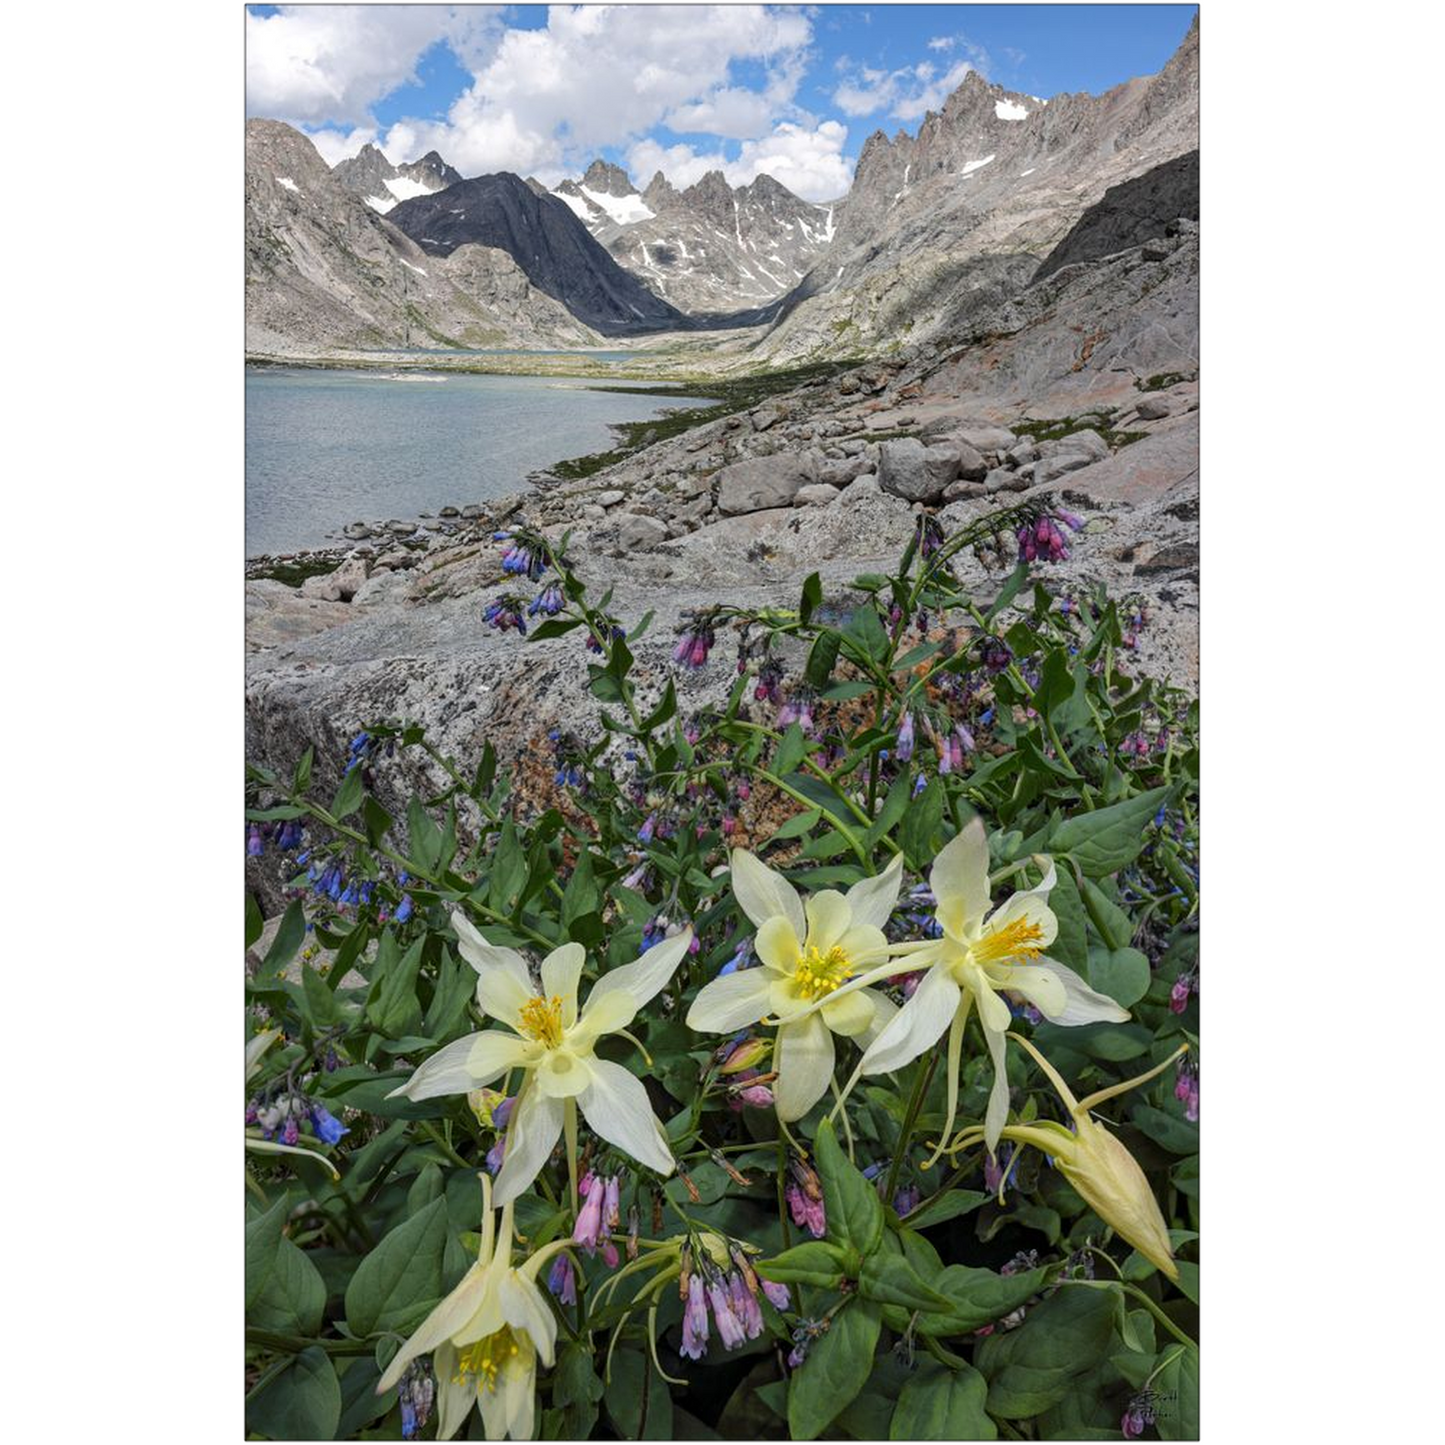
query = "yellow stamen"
{"x": 480, "y": 1363}
{"x": 821, "y": 973}
{"x": 1016, "y": 941}
{"x": 541, "y": 1019}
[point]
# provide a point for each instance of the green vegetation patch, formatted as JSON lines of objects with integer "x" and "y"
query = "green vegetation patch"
{"x": 293, "y": 571}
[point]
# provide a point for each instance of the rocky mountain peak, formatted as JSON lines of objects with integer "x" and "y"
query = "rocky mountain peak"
{"x": 660, "y": 192}
{"x": 609, "y": 179}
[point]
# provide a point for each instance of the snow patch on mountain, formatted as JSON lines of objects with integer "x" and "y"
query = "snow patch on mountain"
{"x": 1010, "y": 110}
{"x": 404, "y": 188}
{"x": 973, "y": 166}
{"x": 624, "y": 210}
{"x": 288, "y": 183}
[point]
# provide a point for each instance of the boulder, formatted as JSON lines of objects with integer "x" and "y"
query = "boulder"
{"x": 1153, "y": 408}
{"x": 817, "y": 495}
{"x": 356, "y": 531}
{"x": 956, "y": 491}
{"x": 340, "y": 585}
{"x": 1026, "y": 451}
{"x": 761, "y": 483}
{"x": 995, "y": 439}
{"x": 1089, "y": 442}
{"x": 908, "y": 469}
{"x": 971, "y": 465}
{"x": 842, "y": 471}
{"x": 1051, "y": 468}
{"x": 639, "y": 532}
{"x": 609, "y": 498}
{"x": 471, "y": 512}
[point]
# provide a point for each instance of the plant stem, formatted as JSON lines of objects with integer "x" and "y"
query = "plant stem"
{"x": 905, "y": 1134}
{"x": 569, "y": 1127}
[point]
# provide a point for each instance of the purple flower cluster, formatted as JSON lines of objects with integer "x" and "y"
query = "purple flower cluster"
{"x": 1186, "y": 984}
{"x": 285, "y": 836}
{"x": 798, "y": 709}
{"x": 733, "y": 1298}
{"x": 1042, "y": 541}
{"x": 695, "y": 641}
{"x": 523, "y": 556}
{"x": 549, "y": 601}
{"x": 804, "y": 1195}
{"x": 599, "y": 1215}
{"x": 416, "y": 1394}
{"x": 617, "y": 634}
{"x": 282, "y": 1119}
{"x": 805, "y": 1335}
{"x": 1186, "y": 1087}
{"x": 1139, "y": 1415}
{"x": 504, "y": 612}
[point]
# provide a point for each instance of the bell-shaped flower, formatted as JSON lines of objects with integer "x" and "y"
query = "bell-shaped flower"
{"x": 980, "y": 956}
{"x": 486, "y": 1337}
{"x": 552, "y": 1041}
{"x": 1102, "y": 1171}
{"x": 809, "y": 951}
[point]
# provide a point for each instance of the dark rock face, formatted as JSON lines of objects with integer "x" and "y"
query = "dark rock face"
{"x": 1130, "y": 214}
{"x": 368, "y": 172}
{"x": 547, "y": 241}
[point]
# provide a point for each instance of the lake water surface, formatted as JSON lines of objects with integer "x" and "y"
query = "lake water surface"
{"x": 324, "y": 448}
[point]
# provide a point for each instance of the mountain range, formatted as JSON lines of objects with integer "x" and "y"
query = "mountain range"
{"x": 987, "y": 199}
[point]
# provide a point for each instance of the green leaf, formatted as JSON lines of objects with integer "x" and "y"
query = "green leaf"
{"x": 509, "y": 869}
{"x": 920, "y": 826}
{"x": 401, "y": 1279}
{"x": 1071, "y": 947}
{"x": 322, "y": 1009}
{"x": 797, "y": 825}
{"x": 1177, "y": 1388}
{"x": 348, "y": 795}
{"x": 1122, "y": 973}
{"x": 866, "y": 628}
{"x": 254, "y": 922}
{"x": 1011, "y": 589}
{"x": 1170, "y": 1132}
{"x": 637, "y": 1399}
{"x": 822, "y": 658}
{"x": 954, "y": 1203}
{"x": 939, "y": 1403}
{"x": 454, "y": 985}
{"x": 791, "y": 750}
{"x": 425, "y": 837}
{"x": 302, "y": 1402}
{"x": 854, "y": 1214}
{"x": 895, "y": 805}
{"x": 811, "y": 1262}
{"x": 1109, "y": 839}
{"x": 812, "y": 596}
{"x": 289, "y": 937}
{"x": 284, "y": 1289}
{"x": 664, "y": 710}
{"x": 892, "y": 1280}
{"x": 1060, "y": 1342}
{"x": 1115, "y": 926}
{"x": 978, "y": 1297}
{"x": 301, "y": 778}
{"x": 581, "y": 894}
{"x": 393, "y": 1008}
{"x": 835, "y": 1371}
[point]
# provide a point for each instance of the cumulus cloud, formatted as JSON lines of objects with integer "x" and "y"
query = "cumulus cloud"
{"x": 339, "y": 145}
{"x": 314, "y": 64}
{"x": 907, "y": 93}
{"x": 809, "y": 160}
{"x": 597, "y": 76}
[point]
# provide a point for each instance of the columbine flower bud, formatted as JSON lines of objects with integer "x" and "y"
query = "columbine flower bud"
{"x": 745, "y": 1055}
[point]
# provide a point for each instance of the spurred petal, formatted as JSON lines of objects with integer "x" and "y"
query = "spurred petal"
{"x": 467, "y": 1063}
{"x": 763, "y": 894}
{"x": 959, "y": 880}
{"x": 605, "y": 1014}
{"x": 918, "y": 1025}
{"x": 803, "y": 1056}
{"x": 455, "y": 1398}
{"x": 997, "y": 1113}
{"x": 441, "y": 1324}
{"x": 884, "y": 1012}
{"x": 731, "y": 1002}
{"x": 850, "y": 1015}
{"x": 535, "y": 1124}
{"x": 778, "y": 946}
{"x": 524, "y": 1309}
{"x": 615, "y": 1104}
{"x": 487, "y": 957}
{"x": 992, "y": 1010}
{"x": 871, "y": 899}
{"x": 560, "y": 971}
{"x": 828, "y": 917}
{"x": 1083, "y": 1005}
{"x": 649, "y": 975}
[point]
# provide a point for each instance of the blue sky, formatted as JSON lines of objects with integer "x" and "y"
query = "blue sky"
{"x": 792, "y": 90}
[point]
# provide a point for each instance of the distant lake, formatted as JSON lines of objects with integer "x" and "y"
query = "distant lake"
{"x": 324, "y": 448}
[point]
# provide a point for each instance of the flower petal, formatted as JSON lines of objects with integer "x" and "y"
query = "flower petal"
{"x": 524, "y": 1309}
{"x": 884, "y": 1012}
{"x": 763, "y": 894}
{"x": 455, "y": 1398}
{"x": 518, "y": 1394}
{"x": 1029, "y": 906}
{"x": 484, "y": 956}
{"x": 650, "y": 974}
{"x": 997, "y": 1113}
{"x": 535, "y": 1124}
{"x": 732, "y": 1002}
{"x": 959, "y": 880}
{"x": 918, "y": 1025}
{"x": 604, "y": 1014}
{"x": 803, "y": 1056}
{"x": 560, "y": 971}
{"x": 865, "y": 946}
{"x": 501, "y": 995}
{"x": 563, "y": 1073}
{"x": 440, "y": 1325}
{"x": 828, "y": 919}
{"x": 615, "y": 1104}
{"x": 850, "y": 1015}
{"x": 993, "y": 1011}
{"x": 1038, "y": 984}
{"x": 777, "y": 945}
{"x": 1083, "y": 1004}
{"x": 871, "y": 899}
{"x": 467, "y": 1063}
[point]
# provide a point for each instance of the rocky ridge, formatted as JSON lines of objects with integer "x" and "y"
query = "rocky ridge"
{"x": 324, "y": 269}
{"x": 383, "y": 186}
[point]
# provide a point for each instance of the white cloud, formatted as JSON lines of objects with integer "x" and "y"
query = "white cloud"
{"x": 312, "y": 64}
{"x": 942, "y": 42}
{"x": 600, "y": 76}
{"x": 338, "y": 145}
{"x": 905, "y": 94}
{"x": 809, "y": 160}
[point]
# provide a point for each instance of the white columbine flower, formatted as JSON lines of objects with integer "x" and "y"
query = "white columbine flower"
{"x": 553, "y": 1043}
{"x": 486, "y": 1337}
{"x": 808, "y": 952}
{"x": 979, "y": 956}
